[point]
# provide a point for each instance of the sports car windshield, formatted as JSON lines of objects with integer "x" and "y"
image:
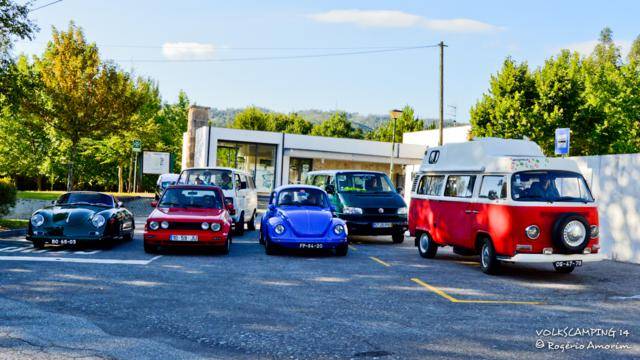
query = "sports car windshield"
{"x": 190, "y": 198}
{"x": 302, "y": 197}
{"x": 85, "y": 198}
{"x": 363, "y": 182}
{"x": 215, "y": 177}
{"x": 551, "y": 186}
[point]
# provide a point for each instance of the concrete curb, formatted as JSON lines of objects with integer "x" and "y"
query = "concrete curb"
{"x": 12, "y": 233}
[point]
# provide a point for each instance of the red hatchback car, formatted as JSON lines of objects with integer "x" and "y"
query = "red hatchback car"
{"x": 188, "y": 215}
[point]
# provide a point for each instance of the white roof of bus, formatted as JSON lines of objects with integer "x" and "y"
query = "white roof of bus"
{"x": 493, "y": 155}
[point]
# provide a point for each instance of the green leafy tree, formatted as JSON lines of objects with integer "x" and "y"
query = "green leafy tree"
{"x": 337, "y": 126}
{"x": 407, "y": 122}
{"x": 289, "y": 123}
{"x": 634, "y": 53}
{"x": 251, "y": 118}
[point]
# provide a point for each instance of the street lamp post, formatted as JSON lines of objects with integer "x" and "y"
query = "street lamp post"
{"x": 395, "y": 114}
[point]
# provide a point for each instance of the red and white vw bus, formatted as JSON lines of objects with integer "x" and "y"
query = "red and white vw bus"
{"x": 503, "y": 199}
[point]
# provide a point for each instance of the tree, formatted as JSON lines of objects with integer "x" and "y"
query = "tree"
{"x": 407, "y": 122}
{"x": 86, "y": 98}
{"x": 289, "y": 123}
{"x": 337, "y": 126}
{"x": 634, "y": 53}
{"x": 251, "y": 118}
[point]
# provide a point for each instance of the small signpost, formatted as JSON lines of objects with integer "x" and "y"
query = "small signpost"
{"x": 563, "y": 140}
{"x": 137, "y": 148}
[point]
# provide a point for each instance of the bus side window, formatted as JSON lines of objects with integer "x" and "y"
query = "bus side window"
{"x": 493, "y": 187}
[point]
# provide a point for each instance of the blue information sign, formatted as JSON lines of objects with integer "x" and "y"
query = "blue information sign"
{"x": 563, "y": 138}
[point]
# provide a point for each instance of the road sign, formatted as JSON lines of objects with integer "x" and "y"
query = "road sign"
{"x": 155, "y": 162}
{"x": 137, "y": 145}
{"x": 563, "y": 140}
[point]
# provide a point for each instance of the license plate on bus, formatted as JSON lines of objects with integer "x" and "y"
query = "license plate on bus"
{"x": 63, "y": 242}
{"x": 568, "y": 263}
{"x": 185, "y": 238}
{"x": 310, "y": 246}
{"x": 381, "y": 225}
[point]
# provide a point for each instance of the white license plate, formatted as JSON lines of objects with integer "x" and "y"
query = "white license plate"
{"x": 310, "y": 246}
{"x": 183, "y": 238}
{"x": 63, "y": 242}
{"x": 381, "y": 225}
{"x": 568, "y": 263}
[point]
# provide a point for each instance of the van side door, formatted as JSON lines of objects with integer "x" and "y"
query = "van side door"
{"x": 455, "y": 220}
{"x": 241, "y": 191}
{"x": 488, "y": 208}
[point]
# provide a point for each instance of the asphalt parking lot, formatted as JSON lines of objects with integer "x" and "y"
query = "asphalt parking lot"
{"x": 381, "y": 301}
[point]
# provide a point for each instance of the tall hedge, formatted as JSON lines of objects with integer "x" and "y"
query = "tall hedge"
{"x": 7, "y": 195}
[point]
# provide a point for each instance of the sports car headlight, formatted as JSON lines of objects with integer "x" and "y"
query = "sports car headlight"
{"x": 279, "y": 229}
{"x": 204, "y": 226}
{"x": 352, "y": 210}
{"x": 402, "y": 210}
{"x": 164, "y": 224}
{"x": 98, "y": 220}
{"x": 215, "y": 227}
{"x": 37, "y": 220}
{"x": 338, "y": 229}
{"x": 154, "y": 225}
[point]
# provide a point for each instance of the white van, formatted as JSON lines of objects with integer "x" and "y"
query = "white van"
{"x": 239, "y": 191}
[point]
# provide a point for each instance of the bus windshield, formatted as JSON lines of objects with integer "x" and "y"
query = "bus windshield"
{"x": 549, "y": 186}
{"x": 363, "y": 182}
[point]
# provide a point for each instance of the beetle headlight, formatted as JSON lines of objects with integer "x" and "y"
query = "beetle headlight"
{"x": 98, "y": 220}
{"x": 204, "y": 226}
{"x": 164, "y": 224}
{"x": 352, "y": 210}
{"x": 279, "y": 229}
{"x": 532, "y": 231}
{"x": 154, "y": 225}
{"x": 338, "y": 229}
{"x": 594, "y": 231}
{"x": 215, "y": 227}
{"x": 37, "y": 220}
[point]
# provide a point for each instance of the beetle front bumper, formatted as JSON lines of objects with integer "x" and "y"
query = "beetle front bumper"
{"x": 309, "y": 243}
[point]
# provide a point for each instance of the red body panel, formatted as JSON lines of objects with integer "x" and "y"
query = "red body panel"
{"x": 458, "y": 223}
{"x": 190, "y": 216}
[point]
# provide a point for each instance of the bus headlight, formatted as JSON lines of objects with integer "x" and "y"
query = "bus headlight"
{"x": 532, "y": 231}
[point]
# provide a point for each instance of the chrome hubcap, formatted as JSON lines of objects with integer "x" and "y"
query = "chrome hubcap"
{"x": 424, "y": 243}
{"x": 485, "y": 255}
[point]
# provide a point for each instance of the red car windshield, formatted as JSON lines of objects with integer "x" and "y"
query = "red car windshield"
{"x": 191, "y": 198}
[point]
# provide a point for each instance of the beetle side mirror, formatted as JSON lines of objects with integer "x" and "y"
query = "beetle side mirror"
{"x": 330, "y": 189}
{"x": 272, "y": 207}
{"x": 154, "y": 203}
{"x": 119, "y": 204}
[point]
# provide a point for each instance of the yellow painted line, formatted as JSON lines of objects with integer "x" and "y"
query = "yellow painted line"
{"x": 379, "y": 261}
{"x": 454, "y": 300}
{"x": 353, "y": 248}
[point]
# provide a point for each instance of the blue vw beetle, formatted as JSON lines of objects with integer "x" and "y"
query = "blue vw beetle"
{"x": 301, "y": 217}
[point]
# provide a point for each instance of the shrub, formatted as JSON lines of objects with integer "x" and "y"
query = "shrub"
{"x": 7, "y": 195}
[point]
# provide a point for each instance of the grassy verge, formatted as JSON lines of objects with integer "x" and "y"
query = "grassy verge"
{"x": 8, "y": 224}
{"x": 53, "y": 195}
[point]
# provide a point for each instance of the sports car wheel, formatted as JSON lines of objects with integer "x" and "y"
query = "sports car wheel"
{"x": 488, "y": 261}
{"x": 426, "y": 247}
{"x": 240, "y": 225}
{"x": 397, "y": 238}
{"x": 38, "y": 244}
{"x": 227, "y": 246}
{"x": 150, "y": 249}
{"x": 251, "y": 225}
{"x": 564, "y": 269}
{"x": 342, "y": 250}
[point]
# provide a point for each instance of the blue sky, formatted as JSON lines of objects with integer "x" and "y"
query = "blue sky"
{"x": 479, "y": 34}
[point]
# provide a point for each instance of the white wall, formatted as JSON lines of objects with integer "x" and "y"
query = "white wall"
{"x": 430, "y": 138}
{"x": 614, "y": 181}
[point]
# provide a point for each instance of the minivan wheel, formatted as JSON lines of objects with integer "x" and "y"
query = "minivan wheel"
{"x": 397, "y": 238}
{"x": 240, "y": 225}
{"x": 564, "y": 269}
{"x": 488, "y": 261}
{"x": 426, "y": 247}
{"x": 251, "y": 225}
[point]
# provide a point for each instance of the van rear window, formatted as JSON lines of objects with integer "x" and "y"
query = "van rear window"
{"x": 460, "y": 186}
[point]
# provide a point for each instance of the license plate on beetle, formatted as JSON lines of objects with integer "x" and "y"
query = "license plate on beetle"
{"x": 185, "y": 238}
{"x": 381, "y": 225}
{"x": 567, "y": 263}
{"x": 310, "y": 246}
{"x": 63, "y": 242}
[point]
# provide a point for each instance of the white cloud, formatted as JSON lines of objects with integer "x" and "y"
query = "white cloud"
{"x": 187, "y": 50}
{"x": 400, "y": 19}
{"x": 586, "y": 47}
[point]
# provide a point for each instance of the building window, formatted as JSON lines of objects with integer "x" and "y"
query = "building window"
{"x": 256, "y": 159}
{"x": 298, "y": 169}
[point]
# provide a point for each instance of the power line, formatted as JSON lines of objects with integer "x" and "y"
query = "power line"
{"x": 287, "y": 57}
{"x": 45, "y": 5}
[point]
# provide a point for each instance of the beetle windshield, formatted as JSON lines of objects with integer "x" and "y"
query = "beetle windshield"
{"x": 363, "y": 182}
{"x": 85, "y": 198}
{"x": 551, "y": 186}
{"x": 191, "y": 198}
{"x": 214, "y": 177}
{"x": 302, "y": 197}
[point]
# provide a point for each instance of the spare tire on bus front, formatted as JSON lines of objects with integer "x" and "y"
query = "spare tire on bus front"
{"x": 571, "y": 234}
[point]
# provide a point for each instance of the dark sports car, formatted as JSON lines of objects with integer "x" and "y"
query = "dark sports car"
{"x": 81, "y": 217}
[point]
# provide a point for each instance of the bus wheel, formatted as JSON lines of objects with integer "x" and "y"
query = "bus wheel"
{"x": 426, "y": 247}
{"x": 488, "y": 261}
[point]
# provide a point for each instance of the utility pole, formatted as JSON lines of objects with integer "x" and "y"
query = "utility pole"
{"x": 442, "y": 46}
{"x": 395, "y": 114}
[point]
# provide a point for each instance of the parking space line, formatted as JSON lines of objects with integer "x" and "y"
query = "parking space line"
{"x": 79, "y": 260}
{"x": 379, "y": 261}
{"x": 353, "y": 248}
{"x": 463, "y": 301}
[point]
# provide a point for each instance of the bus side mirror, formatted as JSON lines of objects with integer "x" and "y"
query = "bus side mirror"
{"x": 330, "y": 189}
